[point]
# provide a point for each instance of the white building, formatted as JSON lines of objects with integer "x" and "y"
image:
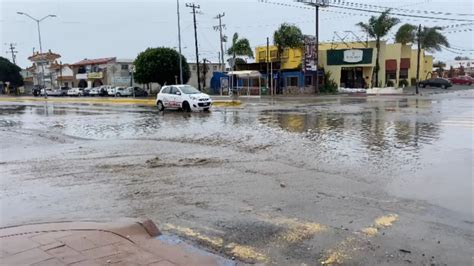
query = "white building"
{"x": 47, "y": 71}
{"x": 205, "y": 79}
{"x": 468, "y": 65}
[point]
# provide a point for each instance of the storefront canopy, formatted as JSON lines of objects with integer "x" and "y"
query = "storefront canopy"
{"x": 245, "y": 74}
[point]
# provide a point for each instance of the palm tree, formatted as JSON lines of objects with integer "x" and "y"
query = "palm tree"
{"x": 428, "y": 38}
{"x": 378, "y": 27}
{"x": 287, "y": 36}
{"x": 240, "y": 47}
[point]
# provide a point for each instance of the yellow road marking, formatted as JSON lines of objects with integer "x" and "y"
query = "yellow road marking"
{"x": 344, "y": 250}
{"x": 241, "y": 252}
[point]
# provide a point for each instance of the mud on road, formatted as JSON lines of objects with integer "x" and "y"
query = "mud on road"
{"x": 337, "y": 180}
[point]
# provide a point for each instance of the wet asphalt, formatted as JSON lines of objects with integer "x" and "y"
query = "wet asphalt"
{"x": 335, "y": 180}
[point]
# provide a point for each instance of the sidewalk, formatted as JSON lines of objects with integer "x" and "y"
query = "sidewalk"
{"x": 127, "y": 242}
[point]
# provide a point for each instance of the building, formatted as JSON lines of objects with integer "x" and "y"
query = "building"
{"x": 47, "y": 71}
{"x": 466, "y": 65}
{"x": 352, "y": 65}
{"x": 103, "y": 71}
{"x": 205, "y": 77}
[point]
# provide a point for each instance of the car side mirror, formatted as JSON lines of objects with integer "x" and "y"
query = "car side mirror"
{"x": 178, "y": 93}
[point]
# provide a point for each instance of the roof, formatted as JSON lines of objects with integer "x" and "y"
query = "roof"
{"x": 245, "y": 73}
{"x": 96, "y": 61}
{"x": 124, "y": 60}
{"x": 49, "y": 56}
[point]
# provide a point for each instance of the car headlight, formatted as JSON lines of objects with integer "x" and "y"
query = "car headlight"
{"x": 193, "y": 98}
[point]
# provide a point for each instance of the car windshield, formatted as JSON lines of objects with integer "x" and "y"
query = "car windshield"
{"x": 189, "y": 90}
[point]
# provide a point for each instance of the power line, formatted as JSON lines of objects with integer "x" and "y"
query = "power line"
{"x": 363, "y": 5}
{"x": 399, "y": 14}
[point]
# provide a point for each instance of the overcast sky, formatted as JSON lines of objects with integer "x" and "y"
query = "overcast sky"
{"x": 122, "y": 29}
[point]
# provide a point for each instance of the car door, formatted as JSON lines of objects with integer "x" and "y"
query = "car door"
{"x": 174, "y": 97}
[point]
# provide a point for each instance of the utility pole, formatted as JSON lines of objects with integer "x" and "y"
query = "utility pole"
{"x": 269, "y": 75}
{"x": 219, "y": 28}
{"x": 13, "y": 52}
{"x": 418, "y": 40}
{"x": 194, "y": 7}
{"x": 316, "y": 4}
{"x": 40, "y": 45}
{"x": 179, "y": 45}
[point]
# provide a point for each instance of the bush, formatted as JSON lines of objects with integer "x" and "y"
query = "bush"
{"x": 390, "y": 83}
{"x": 329, "y": 86}
{"x": 403, "y": 83}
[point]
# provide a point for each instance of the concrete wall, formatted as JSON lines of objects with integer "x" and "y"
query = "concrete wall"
{"x": 193, "y": 79}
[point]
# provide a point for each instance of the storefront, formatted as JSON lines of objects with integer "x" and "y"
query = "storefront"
{"x": 351, "y": 68}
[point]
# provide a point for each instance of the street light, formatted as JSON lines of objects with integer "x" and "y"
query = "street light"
{"x": 39, "y": 38}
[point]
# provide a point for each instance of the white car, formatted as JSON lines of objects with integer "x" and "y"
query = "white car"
{"x": 74, "y": 92}
{"x": 51, "y": 92}
{"x": 121, "y": 91}
{"x": 94, "y": 91}
{"x": 184, "y": 97}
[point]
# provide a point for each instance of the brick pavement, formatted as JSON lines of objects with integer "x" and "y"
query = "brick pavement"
{"x": 127, "y": 242}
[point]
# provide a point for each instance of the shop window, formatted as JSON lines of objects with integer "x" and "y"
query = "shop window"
{"x": 292, "y": 81}
{"x": 308, "y": 80}
{"x": 403, "y": 74}
{"x": 124, "y": 67}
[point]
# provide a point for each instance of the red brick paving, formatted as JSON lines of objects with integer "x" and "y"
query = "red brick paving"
{"x": 86, "y": 243}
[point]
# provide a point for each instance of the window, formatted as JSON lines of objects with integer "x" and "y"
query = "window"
{"x": 403, "y": 73}
{"x": 285, "y": 53}
{"x": 66, "y": 84}
{"x": 292, "y": 81}
{"x": 124, "y": 67}
{"x": 194, "y": 68}
{"x": 308, "y": 80}
{"x": 174, "y": 90}
{"x": 166, "y": 90}
{"x": 391, "y": 75}
{"x": 273, "y": 54}
{"x": 262, "y": 55}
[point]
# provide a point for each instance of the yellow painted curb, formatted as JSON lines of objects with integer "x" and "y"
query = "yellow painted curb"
{"x": 123, "y": 101}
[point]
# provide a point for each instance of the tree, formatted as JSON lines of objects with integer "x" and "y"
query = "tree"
{"x": 160, "y": 65}
{"x": 378, "y": 27}
{"x": 405, "y": 34}
{"x": 287, "y": 36}
{"x": 427, "y": 38}
{"x": 10, "y": 72}
{"x": 240, "y": 47}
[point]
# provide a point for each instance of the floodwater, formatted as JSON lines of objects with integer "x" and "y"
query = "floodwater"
{"x": 244, "y": 176}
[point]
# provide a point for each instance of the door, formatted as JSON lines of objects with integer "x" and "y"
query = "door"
{"x": 175, "y": 98}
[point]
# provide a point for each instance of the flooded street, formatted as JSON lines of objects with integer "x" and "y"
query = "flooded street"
{"x": 351, "y": 180}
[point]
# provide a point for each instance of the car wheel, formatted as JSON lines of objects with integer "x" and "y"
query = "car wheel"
{"x": 443, "y": 87}
{"x": 161, "y": 107}
{"x": 186, "y": 107}
{"x": 118, "y": 95}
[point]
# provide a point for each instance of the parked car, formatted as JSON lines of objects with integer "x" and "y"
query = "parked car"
{"x": 139, "y": 92}
{"x": 51, "y": 92}
{"x": 183, "y": 97}
{"x": 75, "y": 92}
{"x": 104, "y": 90}
{"x": 436, "y": 82}
{"x": 86, "y": 91}
{"x": 111, "y": 91}
{"x": 121, "y": 91}
{"x": 94, "y": 91}
{"x": 462, "y": 80}
{"x": 36, "y": 90}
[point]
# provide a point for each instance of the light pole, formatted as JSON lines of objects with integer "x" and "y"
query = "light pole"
{"x": 41, "y": 47}
{"x": 179, "y": 45}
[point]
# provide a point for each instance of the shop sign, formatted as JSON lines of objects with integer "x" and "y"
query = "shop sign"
{"x": 81, "y": 76}
{"x": 95, "y": 75}
{"x": 353, "y": 56}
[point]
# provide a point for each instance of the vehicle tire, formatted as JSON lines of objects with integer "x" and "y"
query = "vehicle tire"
{"x": 206, "y": 109}
{"x": 186, "y": 107}
{"x": 443, "y": 87}
{"x": 118, "y": 95}
{"x": 160, "y": 106}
